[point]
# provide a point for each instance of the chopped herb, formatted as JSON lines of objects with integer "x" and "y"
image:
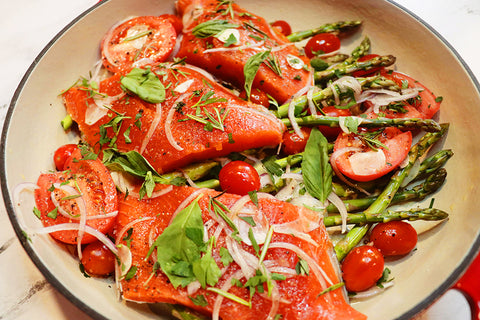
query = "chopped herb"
{"x": 128, "y": 237}
{"x": 199, "y": 300}
{"x": 384, "y": 278}
{"x": 53, "y": 214}
{"x": 230, "y": 296}
{"x": 253, "y": 197}
{"x": 131, "y": 273}
{"x": 331, "y": 288}
{"x": 255, "y": 245}
{"x": 37, "y": 212}
{"x": 211, "y": 28}
{"x": 126, "y": 135}
{"x": 225, "y": 256}
{"x": 438, "y": 99}
{"x": 248, "y": 220}
{"x": 137, "y": 36}
{"x": 230, "y": 138}
{"x": 302, "y": 267}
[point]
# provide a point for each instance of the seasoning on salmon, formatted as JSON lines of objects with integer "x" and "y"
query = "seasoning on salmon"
{"x": 231, "y": 258}
{"x": 182, "y": 116}
{"x": 231, "y": 43}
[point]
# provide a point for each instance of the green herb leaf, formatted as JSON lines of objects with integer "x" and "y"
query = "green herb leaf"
{"x": 317, "y": 172}
{"x": 206, "y": 269}
{"x": 225, "y": 256}
{"x": 199, "y": 300}
{"x": 145, "y": 84}
{"x": 302, "y": 267}
{"x": 37, "y": 212}
{"x": 211, "y": 28}
{"x": 53, "y": 214}
{"x": 131, "y": 273}
{"x": 251, "y": 68}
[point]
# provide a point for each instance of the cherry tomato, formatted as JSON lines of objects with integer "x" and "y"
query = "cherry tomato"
{"x": 239, "y": 177}
{"x": 322, "y": 43}
{"x": 62, "y": 154}
{"x": 426, "y": 103}
{"x": 256, "y": 96}
{"x": 394, "y": 238}
{"x": 283, "y": 27}
{"x": 98, "y": 191}
{"x": 293, "y": 143}
{"x": 98, "y": 260}
{"x": 362, "y": 268}
{"x": 140, "y": 37}
{"x": 362, "y": 73}
{"x": 331, "y": 111}
{"x": 175, "y": 21}
{"x": 365, "y": 164}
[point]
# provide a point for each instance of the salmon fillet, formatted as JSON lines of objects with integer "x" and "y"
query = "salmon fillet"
{"x": 297, "y": 234}
{"x": 255, "y": 35}
{"x": 177, "y": 131}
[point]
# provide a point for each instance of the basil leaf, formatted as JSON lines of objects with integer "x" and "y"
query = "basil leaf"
{"x": 176, "y": 252}
{"x": 225, "y": 256}
{"x": 352, "y": 123}
{"x": 145, "y": 84}
{"x": 251, "y": 68}
{"x": 211, "y": 28}
{"x": 316, "y": 169}
{"x": 131, "y": 162}
{"x": 206, "y": 269}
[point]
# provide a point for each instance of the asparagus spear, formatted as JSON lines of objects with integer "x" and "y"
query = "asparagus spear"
{"x": 427, "y": 125}
{"x": 356, "y": 234}
{"x": 341, "y": 70}
{"x": 322, "y": 63}
{"x": 430, "y": 214}
{"x": 340, "y": 26}
{"x": 375, "y": 82}
{"x": 431, "y": 184}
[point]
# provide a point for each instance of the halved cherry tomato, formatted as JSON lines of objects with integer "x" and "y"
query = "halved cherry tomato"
{"x": 322, "y": 43}
{"x": 256, "y": 96}
{"x": 239, "y": 177}
{"x": 426, "y": 103}
{"x": 141, "y": 37}
{"x": 92, "y": 180}
{"x": 394, "y": 238}
{"x": 365, "y": 164}
{"x": 363, "y": 73}
{"x": 283, "y": 27}
{"x": 331, "y": 111}
{"x": 362, "y": 268}
{"x": 98, "y": 260}
{"x": 175, "y": 21}
{"x": 293, "y": 143}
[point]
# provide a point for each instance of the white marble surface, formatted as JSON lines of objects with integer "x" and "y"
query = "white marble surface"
{"x": 27, "y": 26}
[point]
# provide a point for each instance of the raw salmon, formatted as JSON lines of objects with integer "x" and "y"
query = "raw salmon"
{"x": 254, "y": 35}
{"x": 298, "y": 233}
{"x": 197, "y": 120}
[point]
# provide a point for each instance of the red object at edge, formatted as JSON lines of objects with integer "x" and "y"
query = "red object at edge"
{"x": 469, "y": 284}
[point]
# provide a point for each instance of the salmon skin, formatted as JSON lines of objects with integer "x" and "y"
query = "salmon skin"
{"x": 298, "y": 233}
{"x": 198, "y": 119}
{"x": 254, "y": 35}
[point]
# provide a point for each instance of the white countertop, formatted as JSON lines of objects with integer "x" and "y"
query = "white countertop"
{"x": 27, "y": 26}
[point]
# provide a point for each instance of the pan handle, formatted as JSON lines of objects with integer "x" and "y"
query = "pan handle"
{"x": 469, "y": 285}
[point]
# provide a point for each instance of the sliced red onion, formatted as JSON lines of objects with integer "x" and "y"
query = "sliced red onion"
{"x": 225, "y": 287}
{"x": 320, "y": 274}
{"x": 372, "y": 292}
{"x": 342, "y": 209}
{"x": 186, "y": 202}
{"x": 153, "y": 127}
{"x": 168, "y": 123}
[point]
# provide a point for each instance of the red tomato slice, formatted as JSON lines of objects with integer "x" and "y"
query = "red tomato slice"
{"x": 426, "y": 103}
{"x": 367, "y": 165}
{"x": 98, "y": 191}
{"x": 141, "y": 37}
